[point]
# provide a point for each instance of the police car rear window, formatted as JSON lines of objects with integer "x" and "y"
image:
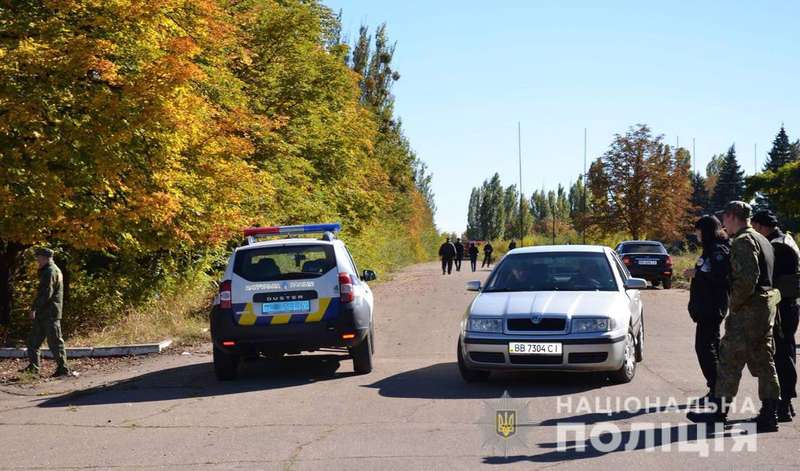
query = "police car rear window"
{"x": 292, "y": 262}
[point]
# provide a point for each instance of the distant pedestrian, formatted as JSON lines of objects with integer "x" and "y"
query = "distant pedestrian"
{"x": 786, "y": 279}
{"x": 459, "y": 254}
{"x": 487, "y": 255}
{"x": 512, "y": 245}
{"x": 709, "y": 296}
{"x": 45, "y": 315}
{"x": 447, "y": 251}
{"x": 473, "y": 255}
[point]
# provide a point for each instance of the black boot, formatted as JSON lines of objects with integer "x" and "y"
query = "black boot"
{"x": 785, "y": 411}
{"x": 718, "y": 414}
{"x": 767, "y": 419}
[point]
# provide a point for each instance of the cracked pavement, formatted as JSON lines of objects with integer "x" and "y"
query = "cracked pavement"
{"x": 412, "y": 412}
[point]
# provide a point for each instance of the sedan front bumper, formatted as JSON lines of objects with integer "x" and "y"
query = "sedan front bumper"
{"x": 484, "y": 352}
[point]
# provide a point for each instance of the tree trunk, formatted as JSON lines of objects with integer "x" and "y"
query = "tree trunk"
{"x": 10, "y": 261}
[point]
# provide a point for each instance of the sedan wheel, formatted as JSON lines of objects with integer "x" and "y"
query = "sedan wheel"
{"x": 628, "y": 369}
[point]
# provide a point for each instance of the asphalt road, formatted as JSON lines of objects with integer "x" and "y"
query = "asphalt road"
{"x": 412, "y": 412}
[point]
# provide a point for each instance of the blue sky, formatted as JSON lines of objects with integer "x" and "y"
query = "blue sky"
{"x": 720, "y": 72}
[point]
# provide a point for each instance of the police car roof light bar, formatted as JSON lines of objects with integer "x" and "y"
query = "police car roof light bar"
{"x": 253, "y": 232}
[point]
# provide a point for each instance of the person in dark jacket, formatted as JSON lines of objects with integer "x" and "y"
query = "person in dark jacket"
{"x": 448, "y": 252}
{"x": 473, "y": 255}
{"x": 785, "y": 276}
{"x": 512, "y": 245}
{"x": 487, "y": 255}
{"x": 459, "y": 254}
{"x": 710, "y": 294}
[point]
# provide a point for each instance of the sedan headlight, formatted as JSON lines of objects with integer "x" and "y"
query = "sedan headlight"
{"x": 592, "y": 324}
{"x": 485, "y": 325}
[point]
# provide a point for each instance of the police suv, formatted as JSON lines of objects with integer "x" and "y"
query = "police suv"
{"x": 289, "y": 295}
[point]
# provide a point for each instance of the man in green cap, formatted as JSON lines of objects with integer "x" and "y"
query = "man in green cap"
{"x": 46, "y": 315}
{"x": 748, "y": 328}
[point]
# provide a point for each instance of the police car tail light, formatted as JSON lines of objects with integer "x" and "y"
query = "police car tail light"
{"x": 225, "y": 295}
{"x": 669, "y": 261}
{"x": 346, "y": 294}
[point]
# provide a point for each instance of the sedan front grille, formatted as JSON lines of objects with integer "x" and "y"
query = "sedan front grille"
{"x": 547, "y": 324}
{"x": 536, "y": 359}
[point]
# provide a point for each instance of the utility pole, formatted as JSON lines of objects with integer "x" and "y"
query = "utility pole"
{"x": 521, "y": 216}
{"x": 677, "y": 142}
{"x": 755, "y": 158}
{"x": 554, "y": 219}
{"x": 583, "y": 183}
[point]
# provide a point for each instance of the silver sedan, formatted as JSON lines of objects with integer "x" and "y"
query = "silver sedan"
{"x": 567, "y": 308}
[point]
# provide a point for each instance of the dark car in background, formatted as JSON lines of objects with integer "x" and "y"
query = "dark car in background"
{"x": 647, "y": 259}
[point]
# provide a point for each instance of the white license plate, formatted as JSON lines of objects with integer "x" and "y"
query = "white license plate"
{"x": 648, "y": 262}
{"x": 538, "y": 348}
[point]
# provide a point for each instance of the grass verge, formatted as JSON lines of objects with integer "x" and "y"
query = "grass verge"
{"x": 181, "y": 314}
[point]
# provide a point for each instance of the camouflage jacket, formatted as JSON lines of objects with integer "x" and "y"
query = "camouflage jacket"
{"x": 49, "y": 296}
{"x": 752, "y": 261}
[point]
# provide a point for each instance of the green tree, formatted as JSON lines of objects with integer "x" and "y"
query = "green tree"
{"x": 730, "y": 183}
{"x": 511, "y": 210}
{"x": 781, "y": 152}
{"x": 700, "y": 200}
{"x": 782, "y": 187}
{"x": 492, "y": 211}
{"x": 474, "y": 229}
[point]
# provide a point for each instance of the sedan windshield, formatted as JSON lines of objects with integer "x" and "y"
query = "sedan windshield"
{"x": 553, "y": 271}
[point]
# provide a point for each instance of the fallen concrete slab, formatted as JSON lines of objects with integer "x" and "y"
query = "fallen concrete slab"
{"x": 95, "y": 352}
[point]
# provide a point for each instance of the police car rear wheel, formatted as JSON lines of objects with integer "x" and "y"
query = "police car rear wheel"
{"x": 226, "y": 365}
{"x": 362, "y": 356}
{"x": 667, "y": 283}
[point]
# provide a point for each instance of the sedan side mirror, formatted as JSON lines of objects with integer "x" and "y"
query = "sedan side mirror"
{"x": 635, "y": 283}
{"x": 473, "y": 285}
{"x": 369, "y": 275}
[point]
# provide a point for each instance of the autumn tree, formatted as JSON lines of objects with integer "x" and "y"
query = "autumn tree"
{"x": 113, "y": 135}
{"x": 641, "y": 187}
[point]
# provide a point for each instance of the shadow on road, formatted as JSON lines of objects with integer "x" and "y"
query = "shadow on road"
{"x": 198, "y": 380}
{"x": 442, "y": 381}
{"x": 681, "y": 435}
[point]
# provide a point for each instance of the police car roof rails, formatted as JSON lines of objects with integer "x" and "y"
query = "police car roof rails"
{"x": 328, "y": 231}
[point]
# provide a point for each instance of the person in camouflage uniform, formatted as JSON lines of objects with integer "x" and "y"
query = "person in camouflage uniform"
{"x": 748, "y": 336}
{"x": 46, "y": 315}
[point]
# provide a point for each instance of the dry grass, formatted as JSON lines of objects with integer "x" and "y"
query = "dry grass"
{"x": 181, "y": 315}
{"x": 680, "y": 263}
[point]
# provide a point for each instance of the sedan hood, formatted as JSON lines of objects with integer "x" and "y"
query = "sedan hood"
{"x": 568, "y": 303}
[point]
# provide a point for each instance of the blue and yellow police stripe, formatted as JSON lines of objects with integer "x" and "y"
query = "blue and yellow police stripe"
{"x": 245, "y": 315}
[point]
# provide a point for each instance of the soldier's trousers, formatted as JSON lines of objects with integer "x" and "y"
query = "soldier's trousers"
{"x": 50, "y": 330}
{"x": 786, "y": 348}
{"x": 748, "y": 341}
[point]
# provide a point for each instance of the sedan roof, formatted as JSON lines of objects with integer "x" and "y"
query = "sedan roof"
{"x": 561, "y": 248}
